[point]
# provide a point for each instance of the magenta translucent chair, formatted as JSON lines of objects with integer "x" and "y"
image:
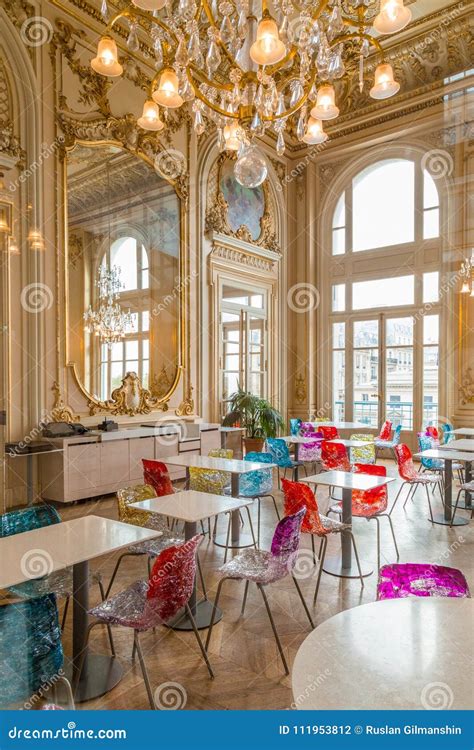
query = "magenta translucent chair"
{"x": 264, "y": 567}
{"x": 401, "y": 580}
{"x": 412, "y": 477}
{"x": 310, "y": 452}
{"x": 146, "y": 604}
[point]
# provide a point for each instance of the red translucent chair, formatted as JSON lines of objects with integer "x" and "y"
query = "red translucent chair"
{"x": 433, "y": 432}
{"x": 328, "y": 432}
{"x": 385, "y": 431}
{"x": 370, "y": 504}
{"x": 296, "y": 495}
{"x": 146, "y": 604}
{"x": 264, "y": 567}
{"x": 412, "y": 477}
{"x": 156, "y": 474}
{"x": 399, "y": 581}
{"x": 334, "y": 457}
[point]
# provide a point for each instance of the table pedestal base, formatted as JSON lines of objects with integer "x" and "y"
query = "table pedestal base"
{"x": 333, "y": 566}
{"x": 202, "y": 617}
{"x": 440, "y": 520}
{"x": 101, "y": 675}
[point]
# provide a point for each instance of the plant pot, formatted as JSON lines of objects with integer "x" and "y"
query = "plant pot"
{"x": 253, "y": 444}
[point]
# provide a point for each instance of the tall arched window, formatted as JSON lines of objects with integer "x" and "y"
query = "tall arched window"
{"x": 384, "y": 297}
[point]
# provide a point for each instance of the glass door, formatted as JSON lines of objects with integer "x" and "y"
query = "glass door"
{"x": 398, "y": 357}
{"x": 366, "y": 358}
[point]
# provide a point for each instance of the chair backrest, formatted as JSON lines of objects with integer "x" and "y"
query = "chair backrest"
{"x": 221, "y": 453}
{"x": 366, "y": 454}
{"x": 286, "y": 538}
{"x": 295, "y": 425}
{"x": 334, "y": 456}
{"x": 433, "y": 432}
{"x": 213, "y": 481}
{"x": 426, "y": 443}
{"x": 397, "y": 435}
{"x": 328, "y": 432}
{"x": 156, "y": 474}
{"x": 308, "y": 428}
{"x": 27, "y": 519}
{"x": 279, "y": 450}
{"x": 260, "y": 481}
{"x": 406, "y": 467}
{"x": 297, "y": 495}
{"x": 385, "y": 431}
{"x": 378, "y": 495}
{"x": 135, "y": 494}
{"x": 448, "y": 433}
{"x": 171, "y": 580}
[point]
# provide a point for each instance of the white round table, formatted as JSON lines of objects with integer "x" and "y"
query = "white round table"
{"x": 409, "y": 653}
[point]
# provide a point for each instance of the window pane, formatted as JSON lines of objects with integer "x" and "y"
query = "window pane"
{"x": 231, "y": 381}
{"x": 338, "y": 384}
{"x": 256, "y": 300}
{"x": 338, "y": 335}
{"x": 399, "y": 331}
{"x": 145, "y": 321}
{"x": 123, "y": 254}
{"x": 366, "y": 385}
{"x": 366, "y": 333}
{"x": 131, "y": 365}
{"x": 117, "y": 373}
{"x": 131, "y": 348}
{"x": 431, "y": 329}
{"x": 339, "y": 219}
{"x": 117, "y": 352}
{"x": 145, "y": 349}
{"x": 383, "y": 293}
{"x": 231, "y": 362}
{"x": 399, "y": 386}
{"x": 431, "y": 224}
{"x": 430, "y": 384}
{"x": 145, "y": 372}
{"x": 431, "y": 287}
{"x": 339, "y": 298}
{"x": 430, "y": 191}
{"x": 384, "y": 205}
{"x": 338, "y": 241}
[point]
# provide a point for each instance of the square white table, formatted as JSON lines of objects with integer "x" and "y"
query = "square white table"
{"x": 232, "y": 466}
{"x": 191, "y": 507}
{"x": 465, "y": 431}
{"x": 448, "y": 456}
{"x": 343, "y": 566}
{"x": 344, "y": 425}
{"x": 31, "y": 554}
{"x": 466, "y": 444}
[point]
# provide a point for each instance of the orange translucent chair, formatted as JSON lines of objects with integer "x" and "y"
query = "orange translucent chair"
{"x": 412, "y": 477}
{"x": 328, "y": 432}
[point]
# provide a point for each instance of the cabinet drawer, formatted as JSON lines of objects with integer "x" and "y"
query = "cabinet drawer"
{"x": 138, "y": 449}
{"x": 190, "y": 446}
{"x": 114, "y": 462}
{"x": 83, "y": 467}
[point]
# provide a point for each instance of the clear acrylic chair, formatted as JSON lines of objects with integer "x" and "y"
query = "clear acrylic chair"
{"x": 146, "y": 604}
{"x": 263, "y": 568}
{"x": 365, "y": 454}
{"x": 258, "y": 484}
{"x": 466, "y": 487}
{"x": 412, "y": 477}
{"x": 315, "y": 524}
{"x": 389, "y": 444}
{"x": 401, "y": 580}
{"x": 281, "y": 456}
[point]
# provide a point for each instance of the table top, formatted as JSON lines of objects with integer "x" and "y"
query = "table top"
{"x": 232, "y": 465}
{"x": 352, "y": 443}
{"x": 192, "y": 506}
{"x": 464, "y": 431}
{"x": 347, "y": 480}
{"x": 445, "y": 455}
{"x": 231, "y": 429}
{"x": 411, "y": 653}
{"x": 345, "y": 425}
{"x": 459, "y": 445}
{"x": 33, "y": 554}
{"x": 301, "y": 439}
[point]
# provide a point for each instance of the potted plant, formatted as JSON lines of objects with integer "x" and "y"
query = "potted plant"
{"x": 259, "y": 418}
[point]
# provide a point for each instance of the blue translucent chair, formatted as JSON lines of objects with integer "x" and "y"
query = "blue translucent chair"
{"x": 389, "y": 444}
{"x": 448, "y": 433}
{"x": 295, "y": 425}
{"x": 281, "y": 456}
{"x": 31, "y": 654}
{"x": 435, "y": 465}
{"x": 258, "y": 484}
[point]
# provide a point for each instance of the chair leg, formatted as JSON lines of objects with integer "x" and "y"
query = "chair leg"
{"x": 215, "y": 528}
{"x": 272, "y": 623}
{"x": 66, "y": 607}
{"x": 411, "y": 491}
{"x": 322, "y": 555}
{"x": 201, "y": 576}
{"x": 258, "y": 521}
{"x": 429, "y": 502}
{"x": 228, "y": 537}
{"x": 276, "y": 507}
{"x": 117, "y": 565}
{"x": 314, "y": 551}
{"x": 251, "y": 527}
{"x": 67, "y": 686}
{"x": 109, "y": 629}
{"x": 378, "y": 539}
{"x": 213, "y": 616}
{"x": 454, "y": 509}
{"x": 198, "y": 638}
{"x": 244, "y": 602}
{"x": 393, "y": 535}
{"x": 303, "y": 602}
{"x": 144, "y": 670}
{"x": 357, "y": 559}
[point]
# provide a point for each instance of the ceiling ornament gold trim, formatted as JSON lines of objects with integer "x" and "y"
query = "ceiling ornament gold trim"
{"x": 60, "y": 411}
{"x": 186, "y": 407}
{"x": 129, "y": 399}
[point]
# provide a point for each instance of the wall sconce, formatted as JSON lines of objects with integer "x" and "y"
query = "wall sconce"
{"x": 467, "y": 275}
{"x": 35, "y": 240}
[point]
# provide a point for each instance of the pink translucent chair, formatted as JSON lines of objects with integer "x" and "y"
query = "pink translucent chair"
{"x": 147, "y": 604}
{"x": 370, "y": 504}
{"x": 297, "y": 495}
{"x": 328, "y": 432}
{"x": 262, "y": 568}
{"x": 399, "y": 581}
{"x": 412, "y": 477}
{"x": 310, "y": 452}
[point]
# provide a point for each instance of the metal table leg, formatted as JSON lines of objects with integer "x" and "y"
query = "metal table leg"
{"x": 236, "y": 542}
{"x": 467, "y": 503}
{"x": 444, "y": 519}
{"x": 201, "y": 610}
{"x": 100, "y": 673}
{"x": 343, "y": 566}
{"x": 30, "y": 488}
{"x": 297, "y": 455}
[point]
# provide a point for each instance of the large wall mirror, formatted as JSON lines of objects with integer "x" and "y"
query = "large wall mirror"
{"x": 122, "y": 271}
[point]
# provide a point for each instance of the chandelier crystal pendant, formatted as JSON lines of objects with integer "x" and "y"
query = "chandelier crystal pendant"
{"x": 467, "y": 275}
{"x": 109, "y": 322}
{"x": 253, "y": 67}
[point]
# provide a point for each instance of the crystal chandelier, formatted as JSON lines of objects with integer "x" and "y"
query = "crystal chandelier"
{"x": 467, "y": 275}
{"x": 110, "y": 323}
{"x": 250, "y": 67}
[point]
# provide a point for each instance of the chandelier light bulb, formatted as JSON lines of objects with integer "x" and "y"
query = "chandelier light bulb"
{"x": 149, "y": 4}
{"x": 393, "y": 16}
{"x": 325, "y": 107}
{"x": 106, "y": 63}
{"x": 167, "y": 94}
{"x": 465, "y": 289}
{"x": 233, "y": 136}
{"x": 251, "y": 167}
{"x": 314, "y": 133}
{"x": 385, "y": 84}
{"x": 268, "y": 48}
{"x": 150, "y": 119}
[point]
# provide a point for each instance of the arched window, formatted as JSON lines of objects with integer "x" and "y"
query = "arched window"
{"x": 385, "y": 231}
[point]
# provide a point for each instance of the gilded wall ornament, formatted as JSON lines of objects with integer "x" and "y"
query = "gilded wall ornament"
{"x": 161, "y": 384}
{"x": 186, "y": 407}
{"x": 60, "y": 411}
{"x": 300, "y": 389}
{"x": 128, "y": 399}
{"x": 467, "y": 387}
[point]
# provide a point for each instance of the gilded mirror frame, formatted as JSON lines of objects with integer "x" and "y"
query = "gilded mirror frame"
{"x": 116, "y": 403}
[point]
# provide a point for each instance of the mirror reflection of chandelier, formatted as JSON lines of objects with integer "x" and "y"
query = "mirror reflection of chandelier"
{"x": 110, "y": 323}
{"x": 467, "y": 275}
{"x": 250, "y": 65}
